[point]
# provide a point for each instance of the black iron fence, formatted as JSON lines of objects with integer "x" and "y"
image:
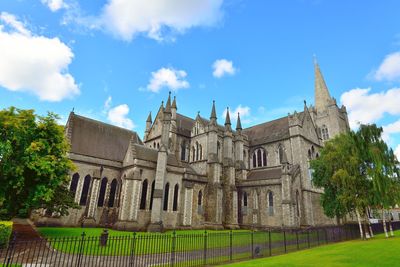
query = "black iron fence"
{"x": 196, "y": 248}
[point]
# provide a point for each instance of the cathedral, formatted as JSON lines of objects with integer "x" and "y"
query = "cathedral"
{"x": 192, "y": 173}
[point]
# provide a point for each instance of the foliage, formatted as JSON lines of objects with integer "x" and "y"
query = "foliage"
{"x": 34, "y": 165}
{"x": 5, "y": 232}
{"x": 357, "y": 170}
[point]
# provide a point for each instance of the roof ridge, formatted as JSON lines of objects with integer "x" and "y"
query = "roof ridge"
{"x": 104, "y": 123}
{"x": 281, "y": 118}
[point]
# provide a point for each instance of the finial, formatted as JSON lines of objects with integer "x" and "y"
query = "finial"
{"x": 238, "y": 123}
{"x": 227, "y": 118}
{"x": 174, "y": 103}
{"x": 73, "y": 109}
{"x": 315, "y": 59}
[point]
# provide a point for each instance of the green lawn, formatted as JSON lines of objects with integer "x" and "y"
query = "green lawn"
{"x": 378, "y": 251}
{"x": 122, "y": 243}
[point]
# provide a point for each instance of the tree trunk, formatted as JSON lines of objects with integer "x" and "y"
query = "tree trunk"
{"x": 390, "y": 226}
{"x": 384, "y": 223}
{"x": 359, "y": 224}
{"x": 369, "y": 223}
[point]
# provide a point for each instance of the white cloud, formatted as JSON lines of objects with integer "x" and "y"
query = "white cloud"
{"x": 167, "y": 77}
{"x": 389, "y": 70}
{"x": 118, "y": 116}
{"x": 127, "y": 18}
{"x": 107, "y": 103}
{"x": 365, "y": 107}
{"x": 34, "y": 64}
{"x": 55, "y": 5}
{"x": 390, "y": 129}
{"x": 397, "y": 152}
{"x": 244, "y": 111}
{"x": 222, "y": 67}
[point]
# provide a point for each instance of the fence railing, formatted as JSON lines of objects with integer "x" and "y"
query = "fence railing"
{"x": 172, "y": 248}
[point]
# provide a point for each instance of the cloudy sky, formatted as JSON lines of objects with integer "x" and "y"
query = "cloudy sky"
{"x": 116, "y": 60}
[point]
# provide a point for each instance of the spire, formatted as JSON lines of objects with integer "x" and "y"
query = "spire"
{"x": 238, "y": 123}
{"x": 227, "y": 120}
{"x": 149, "y": 118}
{"x": 174, "y": 103}
{"x": 322, "y": 96}
{"x": 168, "y": 105}
{"x": 213, "y": 113}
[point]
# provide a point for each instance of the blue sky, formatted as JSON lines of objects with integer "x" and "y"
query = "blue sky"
{"x": 116, "y": 60}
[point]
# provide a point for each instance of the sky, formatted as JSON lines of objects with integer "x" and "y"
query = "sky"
{"x": 116, "y": 60}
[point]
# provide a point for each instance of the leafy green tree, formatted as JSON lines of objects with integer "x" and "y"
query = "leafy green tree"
{"x": 34, "y": 167}
{"x": 337, "y": 171}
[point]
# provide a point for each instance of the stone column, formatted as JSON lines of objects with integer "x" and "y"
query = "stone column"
{"x": 90, "y": 211}
{"x": 188, "y": 205}
{"x": 126, "y": 199}
{"x": 136, "y": 189}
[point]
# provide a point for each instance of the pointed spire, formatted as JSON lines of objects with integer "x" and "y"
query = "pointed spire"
{"x": 227, "y": 118}
{"x": 213, "y": 113}
{"x": 168, "y": 105}
{"x": 238, "y": 123}
{"x": 174, "y": 103}
{"x": 322, "y": 96}
{"x": 149, "y": 118}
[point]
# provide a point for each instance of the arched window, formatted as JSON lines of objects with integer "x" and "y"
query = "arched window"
{"x": 85, "y": 190}
{"x": 193, "y": 153}
{"x": 74, "y": 183}
{"x": 200, "y": 198}
{"x": 183, "y": 150}
{"x": 309, "y": 154}
{"x": 280, "y": 153}
{"x": 102, "y": 192}
{"x": 166, "y": 195}
{"x": 324, "y": 132}
{"x": 143, "y": 196}
{"x": 259, "y": 158}
{"x": 175, "y": 202}
{"x": 218, "y": 150}
{"x": 197, "y": 151}
{"x": 297, "y": 203}
{"x": 154, "y": 144}
{"x": 152, "y": 194}
{"x": 158, "y": 145}
{"x": 270, "y": 197}
{"x": 113, "y": 191}
{"x": 200, "y": 152}
{"x": 245, "y": 199}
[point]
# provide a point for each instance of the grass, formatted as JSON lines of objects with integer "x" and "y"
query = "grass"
{"x": 122, "y": 243}
{"x": 378, "y": 251}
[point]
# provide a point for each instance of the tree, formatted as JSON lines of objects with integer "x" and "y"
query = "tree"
{"x": 380, "y": 165}
{"x": 34, "y": 166}
{"x": 337, "y": 171}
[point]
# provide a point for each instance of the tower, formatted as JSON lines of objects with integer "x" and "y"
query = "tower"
{"x": 148, "y": 126}
{"x": 213, "y": 207}
{"x": 156, "y": 223}
{"x": 328, "y": 117}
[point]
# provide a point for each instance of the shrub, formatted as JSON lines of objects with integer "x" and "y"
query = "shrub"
{"x": 5, "y": 233}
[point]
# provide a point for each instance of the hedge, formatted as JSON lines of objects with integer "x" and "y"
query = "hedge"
{"x": 5, "y": 232}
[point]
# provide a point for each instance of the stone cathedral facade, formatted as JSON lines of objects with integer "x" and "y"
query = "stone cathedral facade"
{"x": 198, "y": 173}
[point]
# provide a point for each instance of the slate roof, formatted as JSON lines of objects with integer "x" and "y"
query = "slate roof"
{"x": 262, "y": 174}
{"x": 151, "y": 154}
{"x": 98, "y": 139}
{"x": 184, "y": 124}
{"x": 267, "y": 132}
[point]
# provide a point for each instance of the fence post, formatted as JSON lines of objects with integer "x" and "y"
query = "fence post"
{"x": 284, "y": 239}
{"x": 205, "y": 248}
{"x": 297, "y": 239}
{"x": 133, "y": 245}
{"x": 308, "y": 237}
{"x": 252, "y": 243}
{"x": 326, "y": 235}
{"x": 173, "y": 245}
{"x": 269, "y": 243}
{"x": 10, "y": 250}
{"x": 230, "y": 245}
{"x": 80, "y": 250}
